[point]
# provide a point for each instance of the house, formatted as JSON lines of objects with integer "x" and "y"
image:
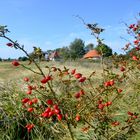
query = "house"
{"x": 46, "y": 55}
{"x": 54, "y": 56}
{"x": 92, "y": 54}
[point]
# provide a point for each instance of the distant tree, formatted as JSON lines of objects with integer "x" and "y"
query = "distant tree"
{"x": 24, "y": 58}
{"x": 77, "y": 48}
{"x": 20, "y": 58}
{"x": 104, "y": 50}
{"x": 50, "y": 51}
{"x": 9, "y": 59}
{"x": 0, "y": 59}
{"x": 64, "y": 52}
{"x": 115, "y": 53}
{"x": 89, "y": 47}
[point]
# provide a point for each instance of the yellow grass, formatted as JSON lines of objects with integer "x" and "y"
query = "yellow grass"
{"x": 9, "y": 72}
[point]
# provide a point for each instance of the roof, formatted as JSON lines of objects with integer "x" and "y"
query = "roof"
{"x": 92, "y": 54}
{"x": 54, "y": 55}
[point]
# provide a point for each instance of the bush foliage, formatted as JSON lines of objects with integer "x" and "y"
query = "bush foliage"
{"x": 65, "y": 104}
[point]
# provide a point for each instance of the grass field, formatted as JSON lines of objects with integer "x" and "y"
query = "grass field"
{"x": 10, "y": 74}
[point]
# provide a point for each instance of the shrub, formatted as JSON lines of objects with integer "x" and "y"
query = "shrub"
{"x": 63, "y": 100}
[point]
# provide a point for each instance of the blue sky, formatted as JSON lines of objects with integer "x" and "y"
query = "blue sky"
{"x": 51, "y": 24}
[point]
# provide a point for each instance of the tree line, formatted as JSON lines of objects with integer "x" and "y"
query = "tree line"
{"x": 75, "y": 50}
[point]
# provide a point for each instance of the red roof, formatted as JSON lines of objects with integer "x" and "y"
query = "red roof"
{"x": 92, "y": 54}
{"x": 54, "y": 55}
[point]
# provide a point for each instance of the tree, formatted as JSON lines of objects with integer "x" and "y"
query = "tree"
{"x": 89, "y": 47}
{"x": 77, "y": 48}
{"x": 24, "y": 58}
{"x": 104, "y": 50}
{"x": 115, "y": 53}
{"x": 49, "y": 51}
{"x": 9, "y": 59}
{"x": 64, "y": 52}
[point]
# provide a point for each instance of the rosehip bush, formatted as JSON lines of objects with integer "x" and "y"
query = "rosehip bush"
{"x": 60, "y": 102}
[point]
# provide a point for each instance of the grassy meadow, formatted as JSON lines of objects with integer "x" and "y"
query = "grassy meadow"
{"x": 9, "y": 72}
{"x": 11, "y": 75}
